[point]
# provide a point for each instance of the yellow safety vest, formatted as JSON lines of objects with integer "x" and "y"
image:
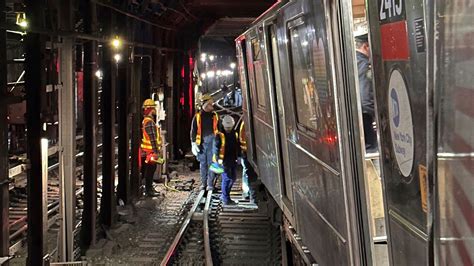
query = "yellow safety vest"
{"x": 215, "y": 122}
{"x": 242, "y": 138}
{"x": 222, "y": 147}
{"x": 146, "y": 143}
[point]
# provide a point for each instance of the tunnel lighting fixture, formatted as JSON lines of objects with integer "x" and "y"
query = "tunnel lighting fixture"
{"x": 203, "y": 59}
{"x": 161, "y": 96}
{"x": 211, "y": 74}
{"x": 203, "y": 55}
{"x": 219, "y": 73}
{"x": 117, "y": 57}
{"x": 117, "y": 42}
{"x": 98, "y": 74}
{"x": 211, "y": 57}
{"x": 203, "y": 76}
{"x": 21, "y": 20}
{"x": 232, "y": 65}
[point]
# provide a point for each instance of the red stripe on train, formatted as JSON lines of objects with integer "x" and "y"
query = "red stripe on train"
{"x": 463, "y": 100}
{"x": 394, "y": 39}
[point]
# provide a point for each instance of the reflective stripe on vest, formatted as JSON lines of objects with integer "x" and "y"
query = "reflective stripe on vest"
{"x": 146, "y": 143}
{"x": 222, "y": 147}
{"x": 242, "y": 138}
{"x": 215, "y": 121}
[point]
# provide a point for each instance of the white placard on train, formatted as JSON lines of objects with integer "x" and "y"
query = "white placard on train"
{"x": 401, "y": 123}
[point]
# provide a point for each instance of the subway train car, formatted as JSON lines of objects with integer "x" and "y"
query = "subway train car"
{"x": 298, "y": 71}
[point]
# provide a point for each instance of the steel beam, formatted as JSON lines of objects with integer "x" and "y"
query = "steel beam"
{"x": 124, "y": 82}
{"x": 4, "y": 195}
{"x": 107, "y": 209}
{"x": 136, "y": 129}
{"x": 88, "y": 229}
{"x": 35, "y": 81}
{"x": 67, "y": 137}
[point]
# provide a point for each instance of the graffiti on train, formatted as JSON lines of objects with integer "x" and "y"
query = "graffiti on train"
{"x": 401, "y": 125}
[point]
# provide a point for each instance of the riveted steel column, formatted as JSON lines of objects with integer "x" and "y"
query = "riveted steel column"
{"x": 4, "y": 197}
{"x": 107, "y": 208}
{"x": 136, "y": 129}
{"x": 124, "y": 83}
{"x": 88, "y": 229}
{"x": 35, "y": 81}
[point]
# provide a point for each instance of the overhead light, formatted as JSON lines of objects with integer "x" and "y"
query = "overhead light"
{"x": 211, "y": 57}
{"x": 203, "y": 76}
{"x": 218, "y": 73}
{"x": 117, "y": 57}
{"x": 21, "y": 20}
{"x": 203, "y": 55}
{"x": 98, "y": 74}
{"x": 211, "y": 74}
{"x": 232, "y": 65}
{"x": 203, "y": 59}
{"x": 116, "y": 42}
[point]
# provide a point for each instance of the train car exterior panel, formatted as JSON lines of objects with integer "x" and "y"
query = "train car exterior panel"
{"x": 265, "y": 139}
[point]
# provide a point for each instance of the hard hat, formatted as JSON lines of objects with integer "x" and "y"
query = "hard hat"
{"x": 228, "y": 121}
{"x": 149, "y": 103}
{"x": 205, "y": 98}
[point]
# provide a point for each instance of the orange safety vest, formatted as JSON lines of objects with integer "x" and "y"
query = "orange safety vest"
{"x": 242, "y": 138}
{"x": 215, "y": 121}
{"x": 146, "y": 143}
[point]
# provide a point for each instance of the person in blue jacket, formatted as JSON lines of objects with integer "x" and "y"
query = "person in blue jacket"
{"x": 226, "y": 152}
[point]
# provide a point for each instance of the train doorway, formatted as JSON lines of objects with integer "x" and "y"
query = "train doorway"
{"x": 369, "y": 130}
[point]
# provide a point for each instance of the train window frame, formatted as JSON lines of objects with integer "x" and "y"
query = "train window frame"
{"x": 290, "y": 25}
{"x": 259, "y": 90}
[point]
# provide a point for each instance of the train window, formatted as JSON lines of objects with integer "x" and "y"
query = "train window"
{"x": 310, "y": 83}
{"x": 258, "y": 64}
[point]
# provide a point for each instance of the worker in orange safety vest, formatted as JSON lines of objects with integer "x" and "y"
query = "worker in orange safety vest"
{"x": 151, "y": 146}
{"x": 203, "y": 130}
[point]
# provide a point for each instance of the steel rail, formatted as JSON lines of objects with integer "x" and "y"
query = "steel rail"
{"x": 184, "y": 227}
{"x": 207, "y": 242}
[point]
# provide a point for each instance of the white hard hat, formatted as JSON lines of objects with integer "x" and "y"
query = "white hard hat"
{"x": 228, "y": 121}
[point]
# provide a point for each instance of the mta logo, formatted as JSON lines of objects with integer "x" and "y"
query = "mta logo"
{"x": 395, "y": 107}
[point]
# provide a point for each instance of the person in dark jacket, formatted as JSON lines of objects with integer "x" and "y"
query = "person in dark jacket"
{"x": 203, "y": 130}
{"x": 366, "y": 92}
{"x": 226, "y": 152}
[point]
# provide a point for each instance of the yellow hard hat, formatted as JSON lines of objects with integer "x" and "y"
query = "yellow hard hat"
{"x": 205, "y": 98}
{"x": 148, "y": 103}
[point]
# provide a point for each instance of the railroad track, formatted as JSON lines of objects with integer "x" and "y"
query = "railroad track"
{"x": 213, "y": 234}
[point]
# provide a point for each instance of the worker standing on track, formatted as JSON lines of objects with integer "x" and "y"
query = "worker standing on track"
{"x": 247, "y": 190}
{"x": 203, "y": 130}
{"x": 151, "y": 146}
{"x": 226, "y": 152}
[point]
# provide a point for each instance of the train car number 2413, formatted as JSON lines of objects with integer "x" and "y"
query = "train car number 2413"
{"x": 390, "y": 9}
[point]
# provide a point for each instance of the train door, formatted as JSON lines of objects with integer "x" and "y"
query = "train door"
{"x": 279, "y": 117}
{"x": 246, "y": 106}
{"x": 398, "y": 45}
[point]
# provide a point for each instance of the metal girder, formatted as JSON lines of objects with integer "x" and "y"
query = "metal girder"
{"x": 4, "y": 195}
{"x": 136, "y": 128}
{"x": 67, "y": 138}
{"x": 88, "y": 229}
{"x": 107, "y": 209}
{"x": 35, "y": 81}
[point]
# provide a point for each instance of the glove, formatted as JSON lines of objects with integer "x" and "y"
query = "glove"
{"x": 220, "y": 162}
{"x": 195, "y": 148}
{"x": 153, "y": 158}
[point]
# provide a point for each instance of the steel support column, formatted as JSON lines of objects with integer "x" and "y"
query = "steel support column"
{"x": 136, "y": 129}
{"x": 35, "y": 81}
{"x": 107, "y": 209}
{"x": 4, "y": 195}
{"x": 67, "y": 138}
{"x": 88, "y": 229}
{"x": 124, "y": 82}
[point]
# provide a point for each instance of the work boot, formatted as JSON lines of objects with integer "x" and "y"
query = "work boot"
{"x": 230, "y": 203}
{"x": 152, "y": 193}
{"x": 209, "y": 188}
{"x": 202, "y": 187}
